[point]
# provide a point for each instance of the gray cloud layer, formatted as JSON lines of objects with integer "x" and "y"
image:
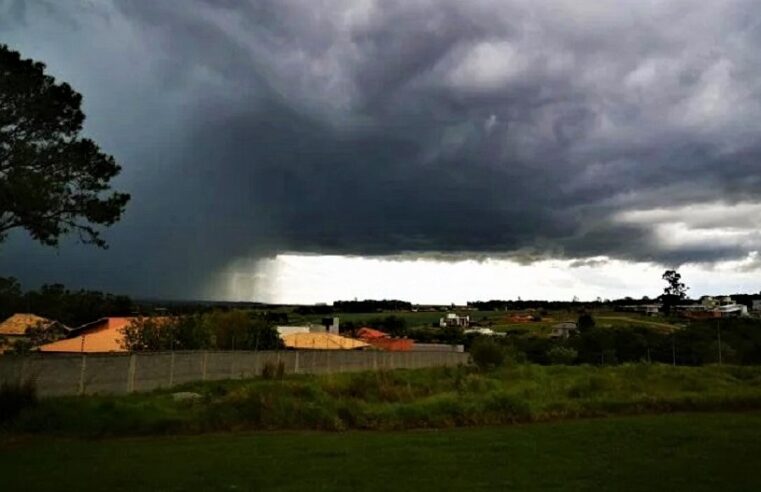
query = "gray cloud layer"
{"x": 376, "y": 128}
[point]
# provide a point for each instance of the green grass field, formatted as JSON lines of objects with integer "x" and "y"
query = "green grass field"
{"x": 502, "y": 321}
{"x": 403, "y": 399}
{"x": 692, "y": 452}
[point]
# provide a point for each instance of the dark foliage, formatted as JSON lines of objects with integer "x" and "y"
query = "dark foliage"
{"x": 218, "y": 330}
{"x": 72, "y": 308}
{"x": 487, "y": 353}
{"x": 696, "y": 344}
{"x": 273, "y": 370}
{"x": 585, "y": 322}
{"x": 52, "y": 181}
{"x": 15, "y": 397}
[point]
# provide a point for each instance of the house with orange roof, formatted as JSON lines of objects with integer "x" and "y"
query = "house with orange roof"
{"x": 384, "y": 341}
{"x": 17, "y": 327}
{"x": 103, "y": 335}
{"x": 321, "y": 341}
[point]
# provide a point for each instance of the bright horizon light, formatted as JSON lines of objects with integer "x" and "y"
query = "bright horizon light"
{"x": 312, "y": 279}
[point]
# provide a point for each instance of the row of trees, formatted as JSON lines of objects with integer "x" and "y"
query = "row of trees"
{"x": 736, "y": 341}
{"x": 72, "y": 308}
{"x": 215, "y": 330}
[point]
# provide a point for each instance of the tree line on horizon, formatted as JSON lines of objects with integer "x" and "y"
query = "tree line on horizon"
{"x": 56, "y": 302}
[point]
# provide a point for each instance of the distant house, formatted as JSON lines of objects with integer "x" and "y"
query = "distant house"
{"x": 384, "y": 341}
{"x": 288, "y": 330}
{"x": 321, "y": 341}
{"x": 732, "y": 310}
{"x": 712, "y": 307}
{"x": 16, "y": 328}
{"x": 649, "y": 309}
{"x": 452, "y": 319}
{"x": 757, "y": 305}
{"x": 103, "y": 335}
{"x": 327, "y": 325}
{"x": 563, "y": 330}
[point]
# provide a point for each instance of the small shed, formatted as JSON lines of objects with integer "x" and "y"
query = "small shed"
{"x": 564, "y": 330}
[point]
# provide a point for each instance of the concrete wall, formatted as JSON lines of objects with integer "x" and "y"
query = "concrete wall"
{"x": 76, "y": 374}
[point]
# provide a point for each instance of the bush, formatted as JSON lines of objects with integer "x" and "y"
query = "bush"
{"x": 486, "y": 353}
{"x": 585, "y": 322}
{"x": 15, "y": 397}
{"x": 562, "y": 355}
{"x": 272, "y": 370}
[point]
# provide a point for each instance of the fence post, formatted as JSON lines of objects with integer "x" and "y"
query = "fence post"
{"x": 171, "y": 370}
{"x": 22, "y": 370}
{"x": 296, "y": 362}
{"x": 131, "y": 373}
{"x": 82, "y": 370}
{"x": 204, "y": 363}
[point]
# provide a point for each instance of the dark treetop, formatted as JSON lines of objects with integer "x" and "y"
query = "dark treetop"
{"x": 52, "y": 181}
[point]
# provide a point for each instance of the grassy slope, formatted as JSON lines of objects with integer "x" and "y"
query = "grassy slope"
{"x": 677, "y": 452}
{"x": 405, "y": 399}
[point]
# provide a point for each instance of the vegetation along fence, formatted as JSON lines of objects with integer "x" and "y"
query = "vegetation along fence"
{"x": 81, "y": 374}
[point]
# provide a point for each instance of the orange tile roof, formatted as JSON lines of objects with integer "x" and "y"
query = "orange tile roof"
{"x": 321, "y": 341}
{"x": 104, "y": 335}
{"x": 20, "y": 322}
{"x": 367, "y": 333}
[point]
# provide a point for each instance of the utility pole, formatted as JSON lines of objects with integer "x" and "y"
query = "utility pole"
{"x": 673, "y": 349}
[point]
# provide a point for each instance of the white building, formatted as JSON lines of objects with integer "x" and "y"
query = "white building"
{"x": 288, "y": 330}
{"x": 563, "y": 330}
{"x": 452, "y": 319}
{"x": 733, "y": 310}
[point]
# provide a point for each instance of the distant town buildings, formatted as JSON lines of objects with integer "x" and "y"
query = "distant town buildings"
{"x": 649, "y": 309}
{"x": 707, "y": 307}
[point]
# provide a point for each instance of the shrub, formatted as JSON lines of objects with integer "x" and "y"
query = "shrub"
{"x": 15, "y": 397}
{"x": 273, "y": 370}
{"x": 585, "y": 322}
{"x": 562, "y": 355}
{"x": 486, "y": 353}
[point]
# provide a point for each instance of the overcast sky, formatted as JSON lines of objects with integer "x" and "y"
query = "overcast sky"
{"x": 437, "y": 151}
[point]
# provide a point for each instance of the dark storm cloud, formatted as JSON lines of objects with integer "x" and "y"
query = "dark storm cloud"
{"x": 433, "y": 128}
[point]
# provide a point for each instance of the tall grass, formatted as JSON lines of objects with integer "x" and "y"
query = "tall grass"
{"x": 15, "y": 397}
{"x": 403, "y": 399}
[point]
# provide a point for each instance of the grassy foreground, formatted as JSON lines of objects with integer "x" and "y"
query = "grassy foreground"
{"x": 691, "y": 452}
{"x": 403, "y": 399}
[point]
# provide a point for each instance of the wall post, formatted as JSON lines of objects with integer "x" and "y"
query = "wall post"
{"x": 204, "y": 364}
{"x": 82, "y": 370}
{"x": 131, "y": 373}
{"x": 171, "y": 370}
